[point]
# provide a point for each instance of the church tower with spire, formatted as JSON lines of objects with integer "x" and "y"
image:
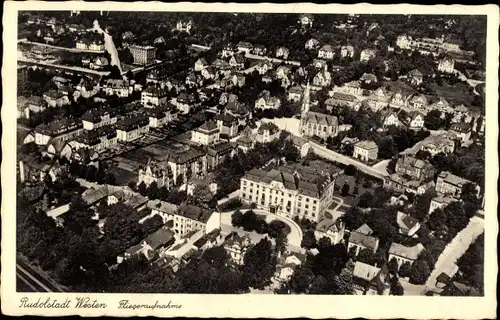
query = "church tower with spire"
{"x": 304, "y": 110}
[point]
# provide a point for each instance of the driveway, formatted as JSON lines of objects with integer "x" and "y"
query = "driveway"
{"x": 294, "y": 237}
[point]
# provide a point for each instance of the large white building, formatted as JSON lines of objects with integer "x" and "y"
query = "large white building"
{"x": 291, "y": 190}
{"x": 132, "y": 128}
{"x": 446, "y": 65}
{"x": 206, "y": 134}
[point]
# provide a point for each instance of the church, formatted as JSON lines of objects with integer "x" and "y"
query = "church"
{"x": 315, "y": 123}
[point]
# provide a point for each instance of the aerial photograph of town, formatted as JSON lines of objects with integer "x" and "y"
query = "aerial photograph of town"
{"x": 262, "y": 153}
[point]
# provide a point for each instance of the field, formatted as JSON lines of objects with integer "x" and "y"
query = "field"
{"x": 454, "y": 94}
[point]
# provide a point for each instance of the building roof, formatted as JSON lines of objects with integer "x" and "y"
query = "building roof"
{"x": 268, "y": 126}
{"x": 450, "y": 178}
{"x": 162, "y": 206}
{"x": 194, "y": 213}
{"x": 160, "y": 238}
{"x": 461, "y": 108}
{"x": 327, "y": 47}
{"x": 132, "y": 122}
{"x": 416, "y": 73}
{"x": 366, "y": 144}
{"x": 405, "y": 221}
{"x": 363, "y": 240}
{"x": 365, "y": 271}
{"x": 410, "y": 253}
{"x": 321, "y": 118}
{"x": 461, "y": 127}
{"x": 368, "y": 77}
{"x": 341, "y": 96}
{"x": 208, "y": 127}
{"x": 296, "y": 89}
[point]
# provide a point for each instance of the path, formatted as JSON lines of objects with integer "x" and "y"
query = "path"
{"x": 58, "y": 66}
{"x": 60, "y": 48}
{"x": 454, "y": 250}
{"x": 335, "y": 156}
{"x": 109, "y": 45}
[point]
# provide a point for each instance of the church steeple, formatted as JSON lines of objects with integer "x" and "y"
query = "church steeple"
{"x": 306, "y": 100}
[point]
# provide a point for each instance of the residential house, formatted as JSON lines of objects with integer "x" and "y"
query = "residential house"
{"x": 332, "y": 229}
{"x": 55, "y": 98}
{"x": 378, "y": 99}
{"x": 118, "y": 87}
{"x": 156, "y": 76}
{"x": 418, "y": 103}
{"x": 206, "y": 134}
{"x": 361, "y": 239}
{"x": 244, "y": 46}
{"x": 259, "y": 50}
{"x": 438, "y": 144}
{"x": 326, "y": 52}
{"x": 131, "y": 128}
{"x": 288, "y": 264}
{"x": 403, "y": 254}
{"x": 295, "y": 93}
{"x": 200, "y": 64}
{"x": 390, "y": 118}
{"x": 97, "y": 140}
{"x": 462, "y": 130}
{"x": 306, "y": 20}
{"x": 264, "y": 66}
{"x": 367, "y": 55}
{"x": 365, "y": 150}
{"x": 208, "y": 73}
{"x": 320, "y": 64}
{"x": 352, "y": 87}
{"x": 33, "y": 105}
{"x": 99, "y": 63}
{"x": 340, "y": 99}
{"x": 266, "y": 101}
{"x": 228, "y": 125}
{"x": 305, "y": 191}
{"x": 282, "y": 52}
{"x": 245, "y": 143}
{"x": 448, "y": 184}
{"x": 404, "y": 42}
{"x": 415, "y": 77}
{"x": 58, "y": 130}
{"x": 157, "y": 172}
{"x": 150, "y": 247}
{"x": 319, "y": 124}
{"x": 301, "y": 144}
{"x": 461, "y": 114}
{"x": 228, "y": 51}
{"x": 408, "y": 225}
{"x": 446, "y": 65}
{"x": 188, "y": 218}
{"x": 322, "y": 78}
{"x": 398, "y": 100}
{"x": 267, "y": 132}
{"x": 238, "y": 110}
{"x": 440, "y": 202}
{"x": 417, "y": 169}
{"x": 184, "y": 102}
{"x": 237, "y": 246}
{"x": 184, "y": 26}
{"x": 370, "y": 280}
{"x": 153, "y": 96}
{"x": 312, "y": 44}
{"x": 160, "y": 115}
{"x": 401, "y": 184}
{"x": 347, "y": 51}
{"x": 442, "y": 105}
{"x": 216, "y": 154}
{"x": 368, "y": 78}
{"x": 237, "y": 61}
{"x": 414, "y": 121}
{"x": 185, "y": 162}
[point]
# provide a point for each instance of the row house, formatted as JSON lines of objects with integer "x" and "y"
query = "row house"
{"x": 161, "y": 115}
{"x": 404, "y": 184}
{"x": 266, "y": 101}
{"x": 291, "y": 190}
{"x": 62, "y": 130}
{"x": 132, "y": 128}
{"x": 94, "y": 119}
{"x": 156, "y": 172}
{"x": 448, "y": 184}
{"x": 326, "y": 52}
{"x": 97, "y": 140}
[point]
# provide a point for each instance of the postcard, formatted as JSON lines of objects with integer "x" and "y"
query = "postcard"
{"x": 249, "y": 160}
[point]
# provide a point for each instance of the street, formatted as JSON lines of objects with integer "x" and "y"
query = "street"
{"x": 33, "y": 281}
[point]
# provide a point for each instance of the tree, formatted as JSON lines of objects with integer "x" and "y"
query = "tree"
{"x": 392, "y": 266}
{"x": 437, "y": 219}
{"x": 79, "y": 216}
{"x": 152, "y": 225}
{"x": 366, "y": 256}
{"x": 405, "y": 270}
{"x": 142, "y": 188}
{"x": 420, "y": 208}
{"x": 176, "y": 197}
{"x": 419, "y": 272}
{"x": 308, "y": 240}
{"x": 344, "y": 281}
{"x": 396, "y": 287}
{"x": 259, "y": 264}
{"x": 202, "y": 195}
{"x": 353, "y": 218}
{"x": 366, "y": 200}
{"x": 433, "y": 120}
{"x": 237, "y": 218}
{"x": 350, "y": 170}
{"x": 301, "y": 279}
{"x": 153, "y": 192}
{"x": 277, "y": 228}
{"x": 345, "y": 190}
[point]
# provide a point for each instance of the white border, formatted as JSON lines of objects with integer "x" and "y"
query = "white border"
{"x": 271, "y": 306}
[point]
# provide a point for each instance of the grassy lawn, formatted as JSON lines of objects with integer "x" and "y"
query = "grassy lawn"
{"x": 351, "y": 199}
{"x": 396, "y": 86}
{"x": 455, "y": 94}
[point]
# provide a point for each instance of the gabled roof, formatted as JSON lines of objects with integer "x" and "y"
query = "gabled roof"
{"x": 316, "y": 117}
{"x": 410, "y": 253}
{"x": 405, "y": 221}
{"x": 327, "y": 47}
{"x": 208, "y": 126}
{"x": 366, "y": 144}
